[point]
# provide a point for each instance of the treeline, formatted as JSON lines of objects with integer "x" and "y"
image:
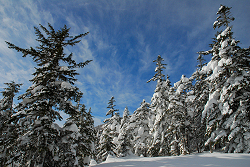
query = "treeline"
{"x": 208, "y": 111}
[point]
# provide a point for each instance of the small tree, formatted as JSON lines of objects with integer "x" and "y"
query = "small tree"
{"x": 110, "y": 131}
{"x": 124, "y": 137}
{"x": 111, "y": 106}
{"x": 78, "y": 137}
{"x": 108, "y": 138}
{"x": 8, "y": 125}
{"x": 87, "y": 132}
{"x": 160, "y": 66}
{"x": 139, "y": 125}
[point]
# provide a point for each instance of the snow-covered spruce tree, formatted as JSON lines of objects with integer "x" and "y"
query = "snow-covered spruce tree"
{"x": 67, "y": 145}
{"x": 159, "y": 68}
{"x": 109, "y": 137}
{"x": 78, "y": 137}
{"x": 111, "y": 106}
{"x": 159, "y": 104}
{"x": 139, "y": 125}
{"x": 180, "y": 114}
{"x": 200, "y": 92}
{"x": 125, "y": 137}
{"x": 8, "y": 125}
{"x": 88, "y": 129}
{"x": 110, "y": 131}
{"x": 52, "y": 92}
{"x": 226, "y": 112}
{"x": 87, "y": 139}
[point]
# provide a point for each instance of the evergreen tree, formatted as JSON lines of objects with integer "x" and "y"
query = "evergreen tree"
{"x": 180, "y": 113}
{"x": 110, "y": 131}
{"x": 124, "y": 137}
{"x": 8, "y": 126}
{"x": 88, "y": 134}
{"x": 78, "y": 139}
{"x": 159, "y": 68}
{"x": 200, "y": 91}
{"x": 68, "y": 144}
{"x": 109, "y": 137}
{"x": 139, "y": 124}
{"x": 111, "y": 107}
{"x": 52, "y": 92}
{"x": 226, "y": 112}
{"x": 158, "y": 106}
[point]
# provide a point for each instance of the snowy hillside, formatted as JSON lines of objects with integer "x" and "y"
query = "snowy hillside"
{"x": 195, "y": 160}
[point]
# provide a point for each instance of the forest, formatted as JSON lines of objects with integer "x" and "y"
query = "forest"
{"x": 208, "y": 111}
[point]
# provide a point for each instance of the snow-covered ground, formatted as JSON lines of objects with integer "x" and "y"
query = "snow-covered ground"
{"x": 194, "y": 160}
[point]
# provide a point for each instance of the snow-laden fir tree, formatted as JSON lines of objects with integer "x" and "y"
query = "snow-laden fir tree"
{"x": 52, "y": 92}
{"x": 125, "y": 137}
{"x": 110, "y": 130}
{"x": 180, "y": 113}
{"x": 114, "y": 126}
{"x": 226, "y": 112}
{"x": 68, "y": 144}
{"x": 113, "y": 123}
{"x": 88, "y": 132}
{"x": 159, "y": 104}
{"x": 159, "y": 68}
{"x": 109, "y": 138}
{"x": 78, "y": 137}
{"x": 111, "y": 106}
{"x": 200, "y": 91}
{"x": 8, "y": 125}
{"x": 139, "y": 124}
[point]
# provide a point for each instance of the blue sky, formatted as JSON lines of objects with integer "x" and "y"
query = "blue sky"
{"x": 125, "y": 37}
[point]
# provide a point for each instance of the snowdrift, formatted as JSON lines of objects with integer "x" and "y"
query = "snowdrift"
{"x": 194, "y": 160}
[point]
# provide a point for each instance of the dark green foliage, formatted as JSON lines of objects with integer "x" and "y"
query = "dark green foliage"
{"x": 52, "y": 92}
{"x": 201, "y": 91}
{"x": 111, "y": 107}
{"x": 224, "y": 17}
{"x": 8, "y": 125}
{"x": 160, "y": 66}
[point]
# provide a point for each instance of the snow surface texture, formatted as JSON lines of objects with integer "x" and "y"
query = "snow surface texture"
{"x": 194, "y": 160}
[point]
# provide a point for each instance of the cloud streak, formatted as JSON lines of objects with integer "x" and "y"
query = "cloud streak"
{"x": 125, "y": 37}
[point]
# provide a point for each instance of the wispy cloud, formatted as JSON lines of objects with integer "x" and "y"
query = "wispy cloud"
{"x": 17, "y": 21}
{"x": 125, "y": 37}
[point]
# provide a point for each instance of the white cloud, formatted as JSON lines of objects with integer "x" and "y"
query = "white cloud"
{"x": 18, "y": 19}
{"x": 98, "y": 121}
{"x": 125, "y": 37}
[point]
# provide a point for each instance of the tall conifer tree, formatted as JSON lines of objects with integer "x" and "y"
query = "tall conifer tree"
{"x": 226, "y": 112}
{"x": 159, "y": 103}
{"x": 52, "y": 92}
